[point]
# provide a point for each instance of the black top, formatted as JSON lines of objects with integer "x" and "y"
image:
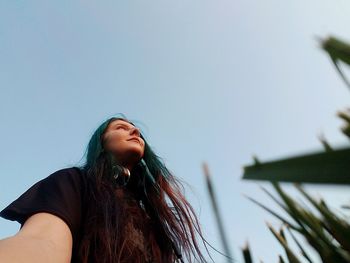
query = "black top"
{"x": 62, "y": 194}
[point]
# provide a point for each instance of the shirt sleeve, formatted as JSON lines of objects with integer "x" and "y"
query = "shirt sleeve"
{"x": 59, "y": 194}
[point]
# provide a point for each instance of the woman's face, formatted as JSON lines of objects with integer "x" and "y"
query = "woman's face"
{"x": 123, "y": 140}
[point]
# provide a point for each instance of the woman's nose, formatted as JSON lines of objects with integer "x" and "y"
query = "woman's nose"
{"x": 136, "y": 131}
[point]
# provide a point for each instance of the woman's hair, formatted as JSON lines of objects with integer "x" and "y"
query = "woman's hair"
{"x": 173, "y": 224}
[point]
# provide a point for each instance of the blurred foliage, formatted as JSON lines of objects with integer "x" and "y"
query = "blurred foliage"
{"x": 326, "y": 167}
{"x": 325, "y": 232}
{"x": 339, "y": 51}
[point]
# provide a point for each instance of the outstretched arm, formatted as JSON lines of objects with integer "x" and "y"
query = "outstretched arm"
{"x": 44, "y": 238}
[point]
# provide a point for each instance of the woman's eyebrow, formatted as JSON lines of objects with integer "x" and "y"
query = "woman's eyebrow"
{"x": 123, "y": 124}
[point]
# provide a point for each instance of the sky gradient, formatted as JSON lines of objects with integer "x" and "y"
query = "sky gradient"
{"x": 214, "y": 81}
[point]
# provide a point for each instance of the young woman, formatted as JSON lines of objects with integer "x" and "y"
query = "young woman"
{"x": 123, "y": 205}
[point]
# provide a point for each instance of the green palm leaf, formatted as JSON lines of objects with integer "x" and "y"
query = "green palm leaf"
{"x": 338, "y": 50}
{"x": 331, "y": 167}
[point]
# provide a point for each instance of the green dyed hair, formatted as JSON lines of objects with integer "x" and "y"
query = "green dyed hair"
{"x": 95, "y": 146}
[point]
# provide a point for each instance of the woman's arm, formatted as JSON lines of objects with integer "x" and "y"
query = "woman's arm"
{"x": 44, "y": 238}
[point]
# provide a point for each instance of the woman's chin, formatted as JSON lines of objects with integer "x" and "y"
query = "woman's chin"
{"x": 133, "y": 156}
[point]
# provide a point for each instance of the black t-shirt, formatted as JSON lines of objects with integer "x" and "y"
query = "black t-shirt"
{"x": 62, "y": 194}
{"x": 65, "y": 194}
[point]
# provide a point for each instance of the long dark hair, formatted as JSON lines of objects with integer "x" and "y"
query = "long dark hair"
{"x": 173, "y": 225}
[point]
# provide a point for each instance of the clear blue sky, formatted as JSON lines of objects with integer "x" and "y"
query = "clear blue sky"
{"x": 214, "y": 81}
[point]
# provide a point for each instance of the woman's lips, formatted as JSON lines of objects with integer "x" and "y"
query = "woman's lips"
{"x": 134, "y": 139}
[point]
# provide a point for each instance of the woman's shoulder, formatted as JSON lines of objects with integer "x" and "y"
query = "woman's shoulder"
{"x": 73, "y": 174}
{"x": 69, "y": 171}
{"x": 75, "y": 177}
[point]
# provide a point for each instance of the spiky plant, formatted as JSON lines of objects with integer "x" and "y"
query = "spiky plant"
{"x": 327, "y": 232}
